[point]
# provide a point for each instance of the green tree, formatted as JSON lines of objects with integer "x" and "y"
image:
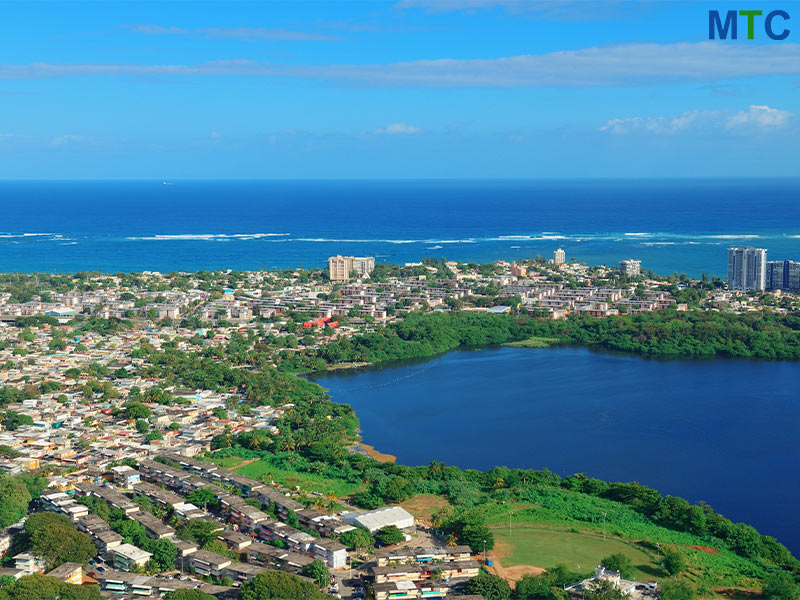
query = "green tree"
{"x": 676, "y": 589}
{"x": 13, "y": 420}
{"x": 674, "y": 563}
{"x": 72, "y": 373}
{"x": 279, "y": 584}
{"x": 619, "y": 562}
{"x": 42, "y": 587}
{"x": 197, "y": 530}
{"x": 547, "y": 586}
{"x": 203, "y": 497}
{"x": 780, "y": 586}
{"x": 142, "y": 426}
{"x": 490, "y": 586}
{"x": 14, "y": 499}
{"x": 188, "y": 595}
{"x": 389, "y": 535}
{"x": 164, "y": 553}
{"x": 136, "y": 410}
{"x": 8, "y": 451}
{"x": 357, "y": 538}
{"x": 475, "y": 534}
{"x": 318, "y": 572}
{"x": 53, "y": 537}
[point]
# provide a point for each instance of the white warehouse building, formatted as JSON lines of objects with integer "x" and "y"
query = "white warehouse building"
{"x": 374, "y": 520}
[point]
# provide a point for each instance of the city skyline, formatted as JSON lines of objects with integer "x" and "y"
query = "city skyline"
{"x": 749, "y": 269}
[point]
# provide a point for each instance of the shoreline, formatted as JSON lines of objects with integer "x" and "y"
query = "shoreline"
{"x": 368, "y": 450}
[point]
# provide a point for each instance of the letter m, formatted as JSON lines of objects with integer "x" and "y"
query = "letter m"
{"x": 715, "y": 25}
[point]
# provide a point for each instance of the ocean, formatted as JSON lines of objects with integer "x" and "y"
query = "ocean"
{"x": 682, "y": 226}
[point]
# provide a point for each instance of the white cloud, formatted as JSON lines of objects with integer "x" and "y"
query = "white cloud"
{"x": 243, "y": 33}
{"x": 398, "y": 129}
{"x": 762, "y": 117}
{"x": 553, "y": 9}
{"x": 215, "y": 135}
{"x": 63, "y": 140}
{"x": 758, "y": 117}
{"x": 626, "y": 65}
{"x": 657, "y": 125}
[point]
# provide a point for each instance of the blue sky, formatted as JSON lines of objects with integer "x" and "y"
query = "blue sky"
{"x": 408, "y": 89}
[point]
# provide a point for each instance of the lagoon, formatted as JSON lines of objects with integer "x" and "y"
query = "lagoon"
{"x": 718, "y": 430}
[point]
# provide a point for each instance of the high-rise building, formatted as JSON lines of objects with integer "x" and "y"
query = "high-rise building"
{"x": 364, "y": 265}
{"x": 776, "y": 275}
{"x": 630, "y": 267}
{"x": 747, "y": 268}
{"x": 783, "y": 275}
{"x": 340, "y": 267}
{"x": 792, "y": 275}
{"x": 559, "y": 257}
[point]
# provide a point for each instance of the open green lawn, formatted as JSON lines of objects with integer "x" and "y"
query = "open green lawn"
{"x": 306, "y": 481}
{"x": 547, "y": 548}
{"x": 534, "y": 342}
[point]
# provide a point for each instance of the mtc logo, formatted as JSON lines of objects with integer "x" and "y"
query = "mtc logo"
{"x": 716, "y": 26}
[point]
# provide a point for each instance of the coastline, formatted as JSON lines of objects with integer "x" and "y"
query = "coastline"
{"x": 366, "y": 449}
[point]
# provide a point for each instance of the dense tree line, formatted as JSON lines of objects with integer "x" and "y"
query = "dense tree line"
{"x": 659, "y": 333}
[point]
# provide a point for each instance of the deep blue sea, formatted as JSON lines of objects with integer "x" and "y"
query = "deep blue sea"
{"x": 717, "y": 430}
{"x": 683, "y": 225}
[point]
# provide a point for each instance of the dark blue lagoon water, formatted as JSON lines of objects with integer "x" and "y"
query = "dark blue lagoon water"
{"x": 682, "y": 226}
{"x": 721, "y": 431}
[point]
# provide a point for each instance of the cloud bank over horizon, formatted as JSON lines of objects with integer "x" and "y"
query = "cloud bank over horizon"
{"x": 627, "y": 65}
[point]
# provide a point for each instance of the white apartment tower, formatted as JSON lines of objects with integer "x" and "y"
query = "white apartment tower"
{"x": 630, "y": 267}
{"x": 747, "y": 268}
{"x": 340, "y": 267}
{"x": 559, "y": 257}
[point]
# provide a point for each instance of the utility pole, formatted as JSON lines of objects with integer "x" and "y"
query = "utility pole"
{"x": 604, "y": 527}
{"x": 484, "y": 552}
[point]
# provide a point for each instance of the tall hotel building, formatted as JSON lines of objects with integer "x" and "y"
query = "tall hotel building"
{"x": 559, "y": 257}
{"x": 747, "y": 268}
{"x": 783, "y": 275}
{"x": 340, "y": 267}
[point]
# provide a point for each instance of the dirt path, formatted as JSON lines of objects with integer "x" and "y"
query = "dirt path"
{"x": 247, "y": 462}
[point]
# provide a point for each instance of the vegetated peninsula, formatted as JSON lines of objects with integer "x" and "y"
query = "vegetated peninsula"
{"x": 158, "y": 422}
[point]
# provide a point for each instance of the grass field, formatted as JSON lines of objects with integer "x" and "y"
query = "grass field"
{"x": 306, "y": 481}
{"x": 541, "y": 547}
{"x": 534, "y": 342}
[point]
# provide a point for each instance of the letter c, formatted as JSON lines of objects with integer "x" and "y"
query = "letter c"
{"x": 768, "y": 25}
